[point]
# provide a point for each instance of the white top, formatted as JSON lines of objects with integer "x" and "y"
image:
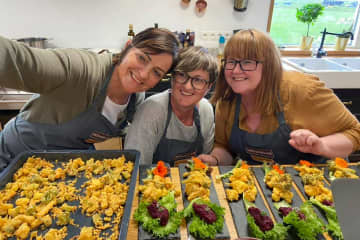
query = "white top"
{"x": 112, "y": 110}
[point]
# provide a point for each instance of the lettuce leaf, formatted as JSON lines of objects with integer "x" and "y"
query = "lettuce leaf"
{"x": 230, "y": 173}
{"x": 199, "y": 228}
{"x": 152, "y": 225}
{"x": 307, "y": 229}
{"x": 333, "y": 225}
{"x": 279, "y": 231}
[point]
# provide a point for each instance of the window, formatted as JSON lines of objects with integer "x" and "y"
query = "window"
{"x": 339, "y": 16}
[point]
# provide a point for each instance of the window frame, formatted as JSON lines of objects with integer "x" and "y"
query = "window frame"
{"x": 350, "y": 51}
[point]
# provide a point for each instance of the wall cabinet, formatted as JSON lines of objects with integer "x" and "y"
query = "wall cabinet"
{"x": 351, "y": 99}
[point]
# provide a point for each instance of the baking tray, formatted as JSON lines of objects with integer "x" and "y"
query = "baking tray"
{"x": 213, "y": 198}
{"x": 64, "y": 156}
{"x": 237, "y": 208}
{"x": 144, "y": 235}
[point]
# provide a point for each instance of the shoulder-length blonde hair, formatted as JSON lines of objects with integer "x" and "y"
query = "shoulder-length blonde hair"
{"x": 255, "y": 45}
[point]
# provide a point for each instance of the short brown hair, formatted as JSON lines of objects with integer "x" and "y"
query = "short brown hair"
{"x": 194, "y": 58}
{"x": 255, "y": 45}
{"x": 155, "y": 41}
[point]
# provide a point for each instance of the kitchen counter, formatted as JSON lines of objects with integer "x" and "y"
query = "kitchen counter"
{"x": 13, "y": 100}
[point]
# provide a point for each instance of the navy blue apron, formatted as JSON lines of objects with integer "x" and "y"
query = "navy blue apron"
{"x": 81, "y": 132}
{"x": 272, "y": 147}
{"x": 175, "y": 151}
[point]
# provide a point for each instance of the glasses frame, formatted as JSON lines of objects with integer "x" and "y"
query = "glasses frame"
{"x": 207, "y": 83}
{"x": 223, "y": 61}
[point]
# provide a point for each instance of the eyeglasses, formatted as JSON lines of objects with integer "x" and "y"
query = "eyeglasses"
{"x": 196, "y": 83}
{"x": 245, "y": 64}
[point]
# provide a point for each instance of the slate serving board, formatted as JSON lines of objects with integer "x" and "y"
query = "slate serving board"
{"x": 237, "y": 208}
{"x": 296, "y": 201}
{"x": 213, "y": 198}
{"x": 144, "y": 235}
{"x": 297, "y": 180}
{"x": 327, "y": 171}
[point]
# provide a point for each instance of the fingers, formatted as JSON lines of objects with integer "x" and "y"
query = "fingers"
{"x": 208, "y": 159}
{"x": 303, "y": 137}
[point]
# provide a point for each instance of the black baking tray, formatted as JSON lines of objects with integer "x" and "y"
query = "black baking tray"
{"x": 63, "y": 156}
{"x": 237, "y": 208}
{"x": 144, "y": 235}
{"x": 213, "y": 198}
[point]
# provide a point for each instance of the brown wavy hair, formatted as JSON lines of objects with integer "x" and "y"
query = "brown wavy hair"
{"x": 154, "y": 41}
{"x": 255, "y": 45}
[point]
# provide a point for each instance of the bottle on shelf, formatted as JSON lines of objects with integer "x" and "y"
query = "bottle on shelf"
{"x": 187, "y": 40}
{"x": 131, "y": 32}
{"x": 156, "y": 25}
{"x": 240, "y": 5}
{"x": 221, "y": 47}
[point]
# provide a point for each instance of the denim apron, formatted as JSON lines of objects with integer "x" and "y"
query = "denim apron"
{"x": 260, "y": 148}
{"x": 174, "y": 151}
{"x": 81, "y": 132}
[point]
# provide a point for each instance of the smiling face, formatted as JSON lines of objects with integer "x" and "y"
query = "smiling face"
{"x": 243, "y": 82}
{"x": 140, "y": 71}
{"x": 183, "y": 95}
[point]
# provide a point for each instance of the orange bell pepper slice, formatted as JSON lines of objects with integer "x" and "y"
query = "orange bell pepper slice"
{"x": 306, "y": 163}
{"x": 198, "y": 164}
{"x": 278, "y": 169}
{"x": 340, "y": 162}
{"x": 244, "y": 166}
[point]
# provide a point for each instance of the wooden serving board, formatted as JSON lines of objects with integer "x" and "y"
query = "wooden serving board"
{"x": 144, "y": 235}
{"x": 238, "y": 210}
{"x": 213, "y": 198}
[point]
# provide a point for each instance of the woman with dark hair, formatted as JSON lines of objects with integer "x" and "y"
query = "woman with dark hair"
{"x": 179, "y": 123}
{"x": 265, "y": 114}
{"x": 81, "y": 97}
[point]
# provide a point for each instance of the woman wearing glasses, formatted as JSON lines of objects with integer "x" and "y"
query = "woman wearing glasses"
{"x": 178, "y": 123}
{"x": 82, "y": 97}
{"x": 264, "y": 114}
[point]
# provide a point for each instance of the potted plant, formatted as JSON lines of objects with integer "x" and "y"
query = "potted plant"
{"x": 342, "y": 39}
{"x": 308, "y": 14}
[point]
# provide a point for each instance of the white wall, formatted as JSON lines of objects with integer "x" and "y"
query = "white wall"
{"x": 104, "y": 23}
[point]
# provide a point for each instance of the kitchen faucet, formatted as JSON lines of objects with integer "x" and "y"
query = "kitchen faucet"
{"x": 321, "y": 52}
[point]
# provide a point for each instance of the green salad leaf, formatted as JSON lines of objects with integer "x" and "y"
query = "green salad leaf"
{"x": 152, "y": 225}
{"x": 199, "y": 228}
{"x": 278, "y": 232}
{"x": 333, "y": 225}
{"x": 309, "y": 228}
{"x": 230, "y": 173}
{"x": 266, "y": 168}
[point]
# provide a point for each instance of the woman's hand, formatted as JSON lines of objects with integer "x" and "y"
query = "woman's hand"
{"x": 306, "y": 141}
{"x": 208, "y": 159}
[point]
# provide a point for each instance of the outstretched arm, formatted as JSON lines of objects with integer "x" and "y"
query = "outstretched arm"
{"x": 334, "y": 145}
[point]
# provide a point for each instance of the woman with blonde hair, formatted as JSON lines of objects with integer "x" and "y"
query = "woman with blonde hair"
{"x": 265, "y": 114}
